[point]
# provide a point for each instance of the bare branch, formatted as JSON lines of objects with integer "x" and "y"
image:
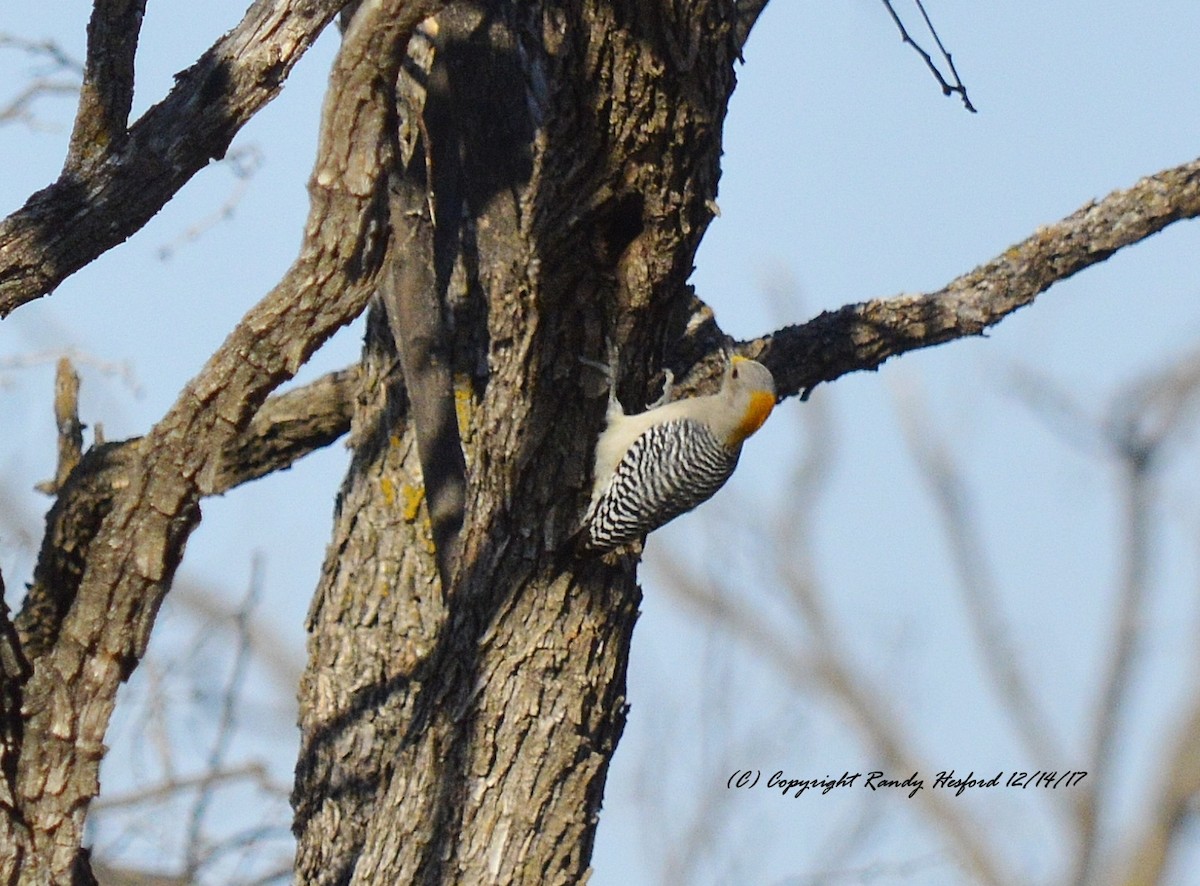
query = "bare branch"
{"x": 1154, "y": 408}
{"x": 1178, "y": 786}
{"x": 244, "y": 162}
{"x": 17, "y": 110}
{"x": 283, "y": 663}
{"x": 48, "y": 49}
{"x": 227, "y": 721}
{"x": 863, "y": 336}
{"x": 947, "y": 88}
{"x": 255, "y": 773}
{"x": 1137, "y": 496}
{"x": 70, "y": 429}
{"x": 107, "y": 92}
{"x": 120, "y": 369}
{"x": 93, "y": 207}
{"x": 116, "y": 876}
{"x": 1061, "y": 413}
{"x": 1143, "y": 420}
{"x": 63, "y": 78}
{"x": 288, "y": 427}
{"x": 139, "y": 543}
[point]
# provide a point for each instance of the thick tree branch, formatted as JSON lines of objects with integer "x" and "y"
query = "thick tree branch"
{"x": 107, "y": 92}
{"x": 94, "y": 206}
{"x": 133, "y": 558}
{"x": 863, "y": 336}
{"x": 288, "y": 427}
{"x": 284, "y": 430}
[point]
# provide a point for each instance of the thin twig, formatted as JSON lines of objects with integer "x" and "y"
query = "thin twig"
{"x": 18, "y": 108}
{"x": 119, "y": 369}
{"x": 947, "y": 88}
{"x": 255, "y": 773}
{"x": 42, "y": 83}
{"x": 227, "y": 723}
{"x": 48, "y": 49}
{"x": 244, "y": 162}
{"x": 1137, "y": 495}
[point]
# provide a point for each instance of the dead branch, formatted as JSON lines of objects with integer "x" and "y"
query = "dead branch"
{"x": 106, "y": 95}
{"x": 863, "y": 336}
{"x": 70, "y": 429}
{"x": 109, "y": 190}
{"x": 137, "y": 548}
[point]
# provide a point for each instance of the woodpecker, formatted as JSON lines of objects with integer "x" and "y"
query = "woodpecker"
{"x": 658, "y": 464}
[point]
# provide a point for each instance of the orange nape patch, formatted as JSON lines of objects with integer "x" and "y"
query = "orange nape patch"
{"x": 761, "y": 404}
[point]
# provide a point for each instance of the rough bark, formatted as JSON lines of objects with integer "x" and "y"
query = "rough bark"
{"x": 99, "y": 628}
{"x": 551, "y": 175}
{"x": 863, "y": 336}
{"x": 468, "y": 740}
{"x": 115, "y": 181}
{"x": 106, "y": 95}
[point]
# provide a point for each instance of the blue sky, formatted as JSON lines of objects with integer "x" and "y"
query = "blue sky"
{"x": 847, "y": 176}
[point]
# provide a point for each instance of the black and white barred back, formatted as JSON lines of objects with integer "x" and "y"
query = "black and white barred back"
{"x": 668, "y": 470}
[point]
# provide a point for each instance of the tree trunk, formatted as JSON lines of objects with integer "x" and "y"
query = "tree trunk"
{"x": 535, "y": 195}
{"x": 568, "y": 160}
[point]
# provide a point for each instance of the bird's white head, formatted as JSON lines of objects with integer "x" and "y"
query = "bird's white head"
{"x": 749, "y": 391}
